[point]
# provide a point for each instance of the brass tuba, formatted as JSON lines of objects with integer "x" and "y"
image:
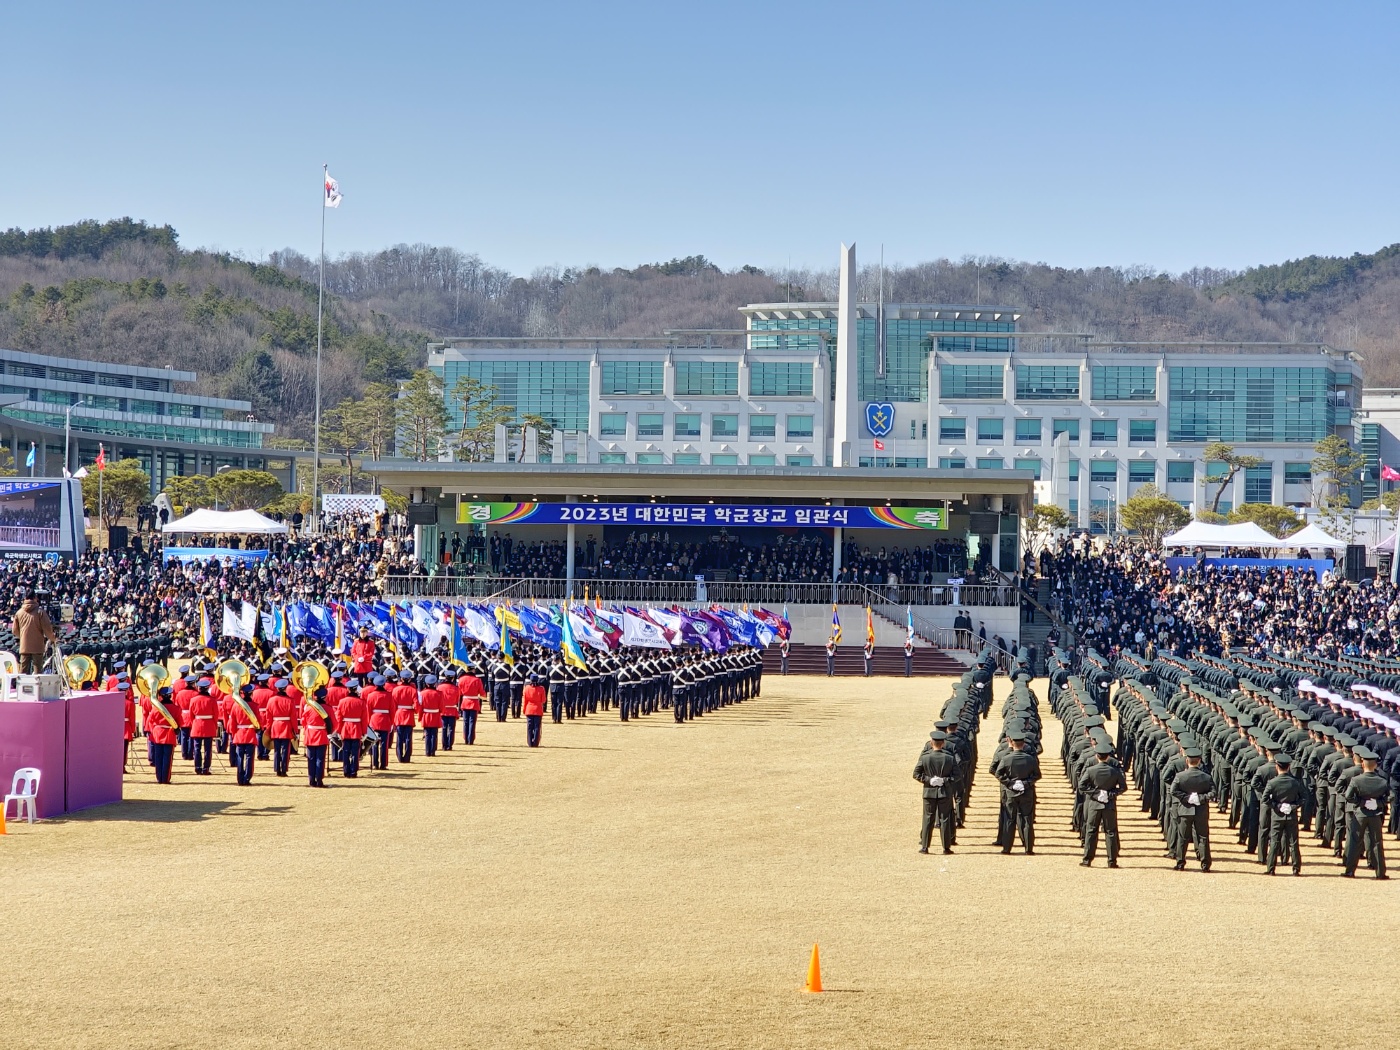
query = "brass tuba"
{"x": 310, "y": 675}
{"x": 150, "y": 678}
{"x": 231, "y": 676}
{"x": 81, "y": 671}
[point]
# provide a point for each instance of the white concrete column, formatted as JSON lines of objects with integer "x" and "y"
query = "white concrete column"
{"x": 569, "y": 552}
{"x": 502, "y": 443}
{"x": 847, "y": 377}
{"x": 595, "y": 395}
{"x": 530, "y": 445}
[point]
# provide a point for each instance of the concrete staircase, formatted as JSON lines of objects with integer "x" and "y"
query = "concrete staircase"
{"x": 888, "y": 660}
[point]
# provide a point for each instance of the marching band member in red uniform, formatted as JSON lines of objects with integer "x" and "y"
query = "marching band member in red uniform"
{"x": 335, "y": 693}
{"x": 405, "y": 708}
{"x": 163, "y": 729}
{"x": 315, "y": 728}
{"x": 281, "y": 714}
{"x": 451, "y": 708}
{"x": 430, "y": 714}
{"x": 183, "y": 692}
{"x": 532, "y": 701}
{"x": 473, "y": 692}
{"x": 204, "y": 724}
{"x": 381, "y": 720}
{"x": 244, "y": 728}
{"x": 351, "y": 721}
{"x": 362, "y": 654}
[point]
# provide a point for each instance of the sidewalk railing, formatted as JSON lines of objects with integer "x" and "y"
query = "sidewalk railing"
{"x": 728, "y": 592}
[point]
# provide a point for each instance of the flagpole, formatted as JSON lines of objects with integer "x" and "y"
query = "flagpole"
{"x": 320, "y": 301}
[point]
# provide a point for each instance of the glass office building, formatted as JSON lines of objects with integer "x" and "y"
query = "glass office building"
{"x": 135, "y": 412}
{"x": 948, "y": 387}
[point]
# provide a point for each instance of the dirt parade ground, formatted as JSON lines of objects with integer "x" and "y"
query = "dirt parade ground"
{"x": 656, "y": 885}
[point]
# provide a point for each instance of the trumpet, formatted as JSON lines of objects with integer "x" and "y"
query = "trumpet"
{"x": 149, "y": 679}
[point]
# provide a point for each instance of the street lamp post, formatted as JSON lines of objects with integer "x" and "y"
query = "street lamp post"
{"x": 1111, "y": 525}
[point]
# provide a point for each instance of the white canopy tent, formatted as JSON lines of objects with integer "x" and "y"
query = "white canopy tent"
{"x": 221, "y": 522}
{"x": 1312, "y": 536}
{"x": 1204, "y": 534}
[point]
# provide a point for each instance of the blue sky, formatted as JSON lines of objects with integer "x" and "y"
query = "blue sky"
{"x": 610, "y": 134}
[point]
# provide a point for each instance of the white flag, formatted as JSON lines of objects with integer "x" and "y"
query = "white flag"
{"x": 332, "y": 192}
{"x": 234, "y": 627}
{"x": 642, "y": 633}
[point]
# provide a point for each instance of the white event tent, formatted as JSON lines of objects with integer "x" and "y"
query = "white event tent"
{"x": 1245, "y": 534}
{"x": 224, "y": 522}
{"x": 1312, "y": 536}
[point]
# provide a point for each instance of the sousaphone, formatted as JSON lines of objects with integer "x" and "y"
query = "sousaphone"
{"x": 308, "y": 676}
{"x": 150, "y": 679}
{"x": 81, "y": 671}
{"x": 229, "y": 678}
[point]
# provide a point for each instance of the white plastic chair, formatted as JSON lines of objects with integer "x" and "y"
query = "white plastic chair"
{"x": 24, "y": 793}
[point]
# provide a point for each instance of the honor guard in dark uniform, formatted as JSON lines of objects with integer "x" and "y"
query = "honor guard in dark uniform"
{"x": 557, "y": 690}
{"x": 830, "y": 658}
{"x": 1366, "y": 799}
{"x": 1099, "y": 786}
{"x": 518, "y": 674}
{"x": 783, "y": 656}
{"x": 908, "y": 658}
{"x": 1283, "y": 797}
{"x": 499, "y": 679}
{"x": 1018, "y": 770}
{"x": 1192, "y": 791}
{"x": 938, "y": 771}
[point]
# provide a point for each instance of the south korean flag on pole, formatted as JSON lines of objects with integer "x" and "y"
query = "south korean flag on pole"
{"x": 332, "y": 191}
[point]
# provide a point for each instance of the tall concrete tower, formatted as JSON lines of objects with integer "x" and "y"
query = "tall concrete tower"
{"x": 847, "y": 423}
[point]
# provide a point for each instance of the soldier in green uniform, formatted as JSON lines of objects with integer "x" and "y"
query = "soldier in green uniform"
{"x": 1284, "y": 798}
{"x": 1191, "y": 792}
{"x": 1018, "y": 770}
{"x": 938, "y": 771}
{"x": 1366, "y": 799}
{"x": 1099, "y": 786}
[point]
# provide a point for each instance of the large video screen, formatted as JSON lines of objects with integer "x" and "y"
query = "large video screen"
{"x": 31, "y": 513}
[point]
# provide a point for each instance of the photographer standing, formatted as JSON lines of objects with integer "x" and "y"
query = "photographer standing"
{"x": 34, "y": 630}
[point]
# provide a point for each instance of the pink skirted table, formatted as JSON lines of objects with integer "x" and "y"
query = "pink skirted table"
{"x": 75, "y": 743}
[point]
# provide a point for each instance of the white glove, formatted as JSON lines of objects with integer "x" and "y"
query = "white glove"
{"x": 1193, "y": 799}
{"x": 1371, "y": 804}
{"x": 1018, "y": 786}
{"x": 1285, "y": 808}
{"x": 935, "y": 782}
{"x": 1103, "y": 796}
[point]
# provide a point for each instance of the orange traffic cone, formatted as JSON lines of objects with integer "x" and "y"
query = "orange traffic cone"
{"x": 814, "y": 973}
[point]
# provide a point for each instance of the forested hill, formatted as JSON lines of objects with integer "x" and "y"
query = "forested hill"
{"x": 127, "y": 291}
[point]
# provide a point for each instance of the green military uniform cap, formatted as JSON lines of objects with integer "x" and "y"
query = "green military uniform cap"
{"x": 1345, "y": 740}
{"x": 1193, "y": 752}
{"x": 1283, "y": 761}
{"x": 938, "y": 734}
{"x": 1246, "y": 722}
{"x": 1093, "y": 720}
{"x": 1103, "y": 748}
{"x": 1364, "y": 752}
{"x": 1016, "y": 734}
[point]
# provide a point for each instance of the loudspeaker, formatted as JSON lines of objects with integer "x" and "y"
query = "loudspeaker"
{"x": 1356, "y": 562}
{"x": 117, "y": 537}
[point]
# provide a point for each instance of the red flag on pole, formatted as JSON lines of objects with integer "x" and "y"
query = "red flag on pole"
{"x": 101, "y": 462}
{"x": 879, "y": 445}
{"x": 1389, "y": 473}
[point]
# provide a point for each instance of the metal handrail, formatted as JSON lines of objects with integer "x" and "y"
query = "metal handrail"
{"x": 728, "y": 592}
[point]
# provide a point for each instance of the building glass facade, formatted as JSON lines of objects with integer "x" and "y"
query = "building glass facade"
{"x": 1124, "y": 383}
{"x": 780, "y": 379}
{"x": 554, "y": 390}
{"x": 629, "y": 377}
{"x": 1249, "y": 404}
{"x": 706, "y": 379}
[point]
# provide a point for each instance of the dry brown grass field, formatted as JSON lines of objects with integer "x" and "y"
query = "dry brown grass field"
{"x": 655, "y": 885}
